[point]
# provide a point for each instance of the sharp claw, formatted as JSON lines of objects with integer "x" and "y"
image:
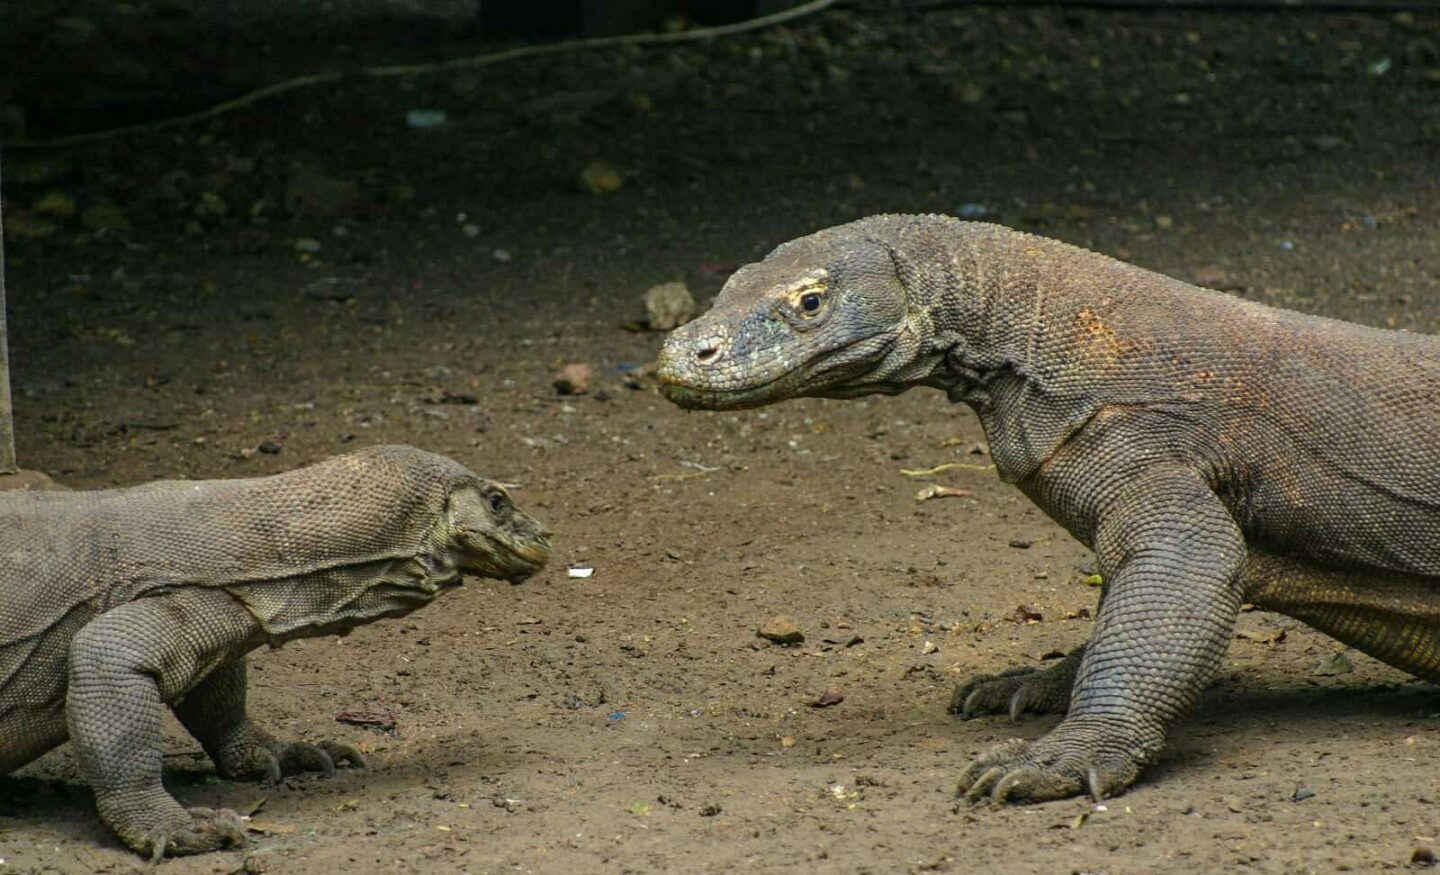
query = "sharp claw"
{"x": 158, "y": 840}
{"x": 1001, "y": 792}
{"x": 970, "y": 702}
{"x": 1092, "y": 780}
{"x": 340, "y": 752}
{"x": 273, "y": 771}
{"x": 1017, "y": 705}
{"x": 982, "y": 787}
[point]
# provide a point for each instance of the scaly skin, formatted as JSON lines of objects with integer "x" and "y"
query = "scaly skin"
{"x": 1210, "y": 450}
{"x": 117, "y": 604}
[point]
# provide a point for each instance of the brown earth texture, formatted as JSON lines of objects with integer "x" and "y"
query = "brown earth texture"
{"x": 310, "y": 274}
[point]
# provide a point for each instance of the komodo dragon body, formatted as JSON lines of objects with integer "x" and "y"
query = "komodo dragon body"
{"x": 115, "y": 603}
{"x": 1211, "y": 451}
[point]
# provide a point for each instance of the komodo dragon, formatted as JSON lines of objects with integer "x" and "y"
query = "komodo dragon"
{"x": 114, "y": 603}
{"x": 1210, "y": 450}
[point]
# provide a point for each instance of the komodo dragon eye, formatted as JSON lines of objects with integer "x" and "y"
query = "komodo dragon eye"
{"x": 810, "y": 302}
{"x": 497, "y": 501}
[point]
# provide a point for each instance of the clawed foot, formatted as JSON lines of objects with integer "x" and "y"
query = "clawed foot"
{"x": 204, "y": 830}
{"x": 1017, "y": 690}
{"x": 265, "y": 759}
{"x": 1073, "y": 759}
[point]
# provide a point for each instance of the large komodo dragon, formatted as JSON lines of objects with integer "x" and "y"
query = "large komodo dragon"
{"x": 1209, "y": 449}
{"x": 118, "y": 602}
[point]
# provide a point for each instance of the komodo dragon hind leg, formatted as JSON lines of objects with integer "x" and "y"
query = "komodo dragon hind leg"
{"x": 1018, "y": 690}
{"x": 214, "y": 712}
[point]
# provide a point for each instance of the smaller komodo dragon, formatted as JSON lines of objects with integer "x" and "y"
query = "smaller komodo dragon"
{"x": 115, "y": 603}
{"x": 1210, "y": 450}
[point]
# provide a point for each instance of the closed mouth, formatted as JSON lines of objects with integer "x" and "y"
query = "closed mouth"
{"x": 689, "y": 395}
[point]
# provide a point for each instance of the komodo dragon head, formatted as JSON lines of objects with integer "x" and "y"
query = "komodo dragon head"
{"x": 826, "y": 315}
{"x": 491, "y": 536}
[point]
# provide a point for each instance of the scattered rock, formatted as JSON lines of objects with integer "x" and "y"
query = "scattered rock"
{"x": 781, "y": 630}
{"x": 1218, "y": 278}
{"x": 23, "y": 225}
{"x": 12, "y": 123}
{"x": 104, "y": 216}
{"x": 29, "y": 481}
{"x": 574, "y": 379}
{"x": 55, "y": 203}
{"x": 599, "y": 177}
{"x": 269, "y": 448}
{"x": 310, "y": 192}
{"x": 1026, "y": 615}
{"x": 710, "y": 810}
{"x": 211, "y": 206}
{"x": 1302, "y": 793}
{"x": 668, "y": 306}
{"x": 936, "y": 490}
{"x": 831, "y": 696}
{"x": 36, "y": 170}
{"x": 421, "y": 119}
{"x": 72, "y": 31}
{"x": 1334, "y": 664}
{"x": 1020, "y": 543}
{"x": 1423, "y": 855}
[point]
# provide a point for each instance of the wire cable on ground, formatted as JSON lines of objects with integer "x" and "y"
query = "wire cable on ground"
{"x": 703, "y": 33}
{"x": 465, "y": 63}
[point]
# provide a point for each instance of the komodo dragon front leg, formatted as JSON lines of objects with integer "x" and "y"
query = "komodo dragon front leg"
{"x": 130, "y": 662}
{"x": 1171, "y": 556}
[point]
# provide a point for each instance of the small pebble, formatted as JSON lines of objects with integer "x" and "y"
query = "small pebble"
{"x": 781, "y": 630}
{"x": 668, "y": 305}
{"x": 573, "y": 379}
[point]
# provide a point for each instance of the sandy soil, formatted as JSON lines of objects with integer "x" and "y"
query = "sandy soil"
{"x": 633, "y": 722}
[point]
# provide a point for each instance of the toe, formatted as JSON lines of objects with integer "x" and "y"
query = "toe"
{"x": 301, "y": 757}
{"x": 341, "y": 752}
{"x": 208, "y": 830}
{"x": 1034, "y": 785}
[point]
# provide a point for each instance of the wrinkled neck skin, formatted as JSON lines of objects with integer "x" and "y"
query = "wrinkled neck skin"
{"x": 976, "y": 329}
{"x": 335, "y": 600}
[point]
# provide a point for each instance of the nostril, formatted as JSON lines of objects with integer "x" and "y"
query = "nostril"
{"x": 706, "y": 354}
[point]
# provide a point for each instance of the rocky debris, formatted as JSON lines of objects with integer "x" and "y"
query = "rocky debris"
{"x": 598, "y": 177}
{"x": 55, "y": 203}
{"x": 781, "y": 630}
{"x": 1337, "y": 663}
{"x": 23, "y": 225}
{"x": 668, "y": 306}
{"x": 574, "y": 379}
{"x": 311, "y": 192}
{"x": 104, "y": 216}
{"x": 831, "y": 696}
{"x": 12, "y": 122}
{"x": 29, "y": 481}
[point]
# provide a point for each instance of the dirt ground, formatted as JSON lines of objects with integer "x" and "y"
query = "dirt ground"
{"x": 633, "y": 721}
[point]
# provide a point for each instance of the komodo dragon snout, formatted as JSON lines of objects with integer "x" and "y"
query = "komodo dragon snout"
{"x": 820, "y": 316}
{"x": 493, "y": 537}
